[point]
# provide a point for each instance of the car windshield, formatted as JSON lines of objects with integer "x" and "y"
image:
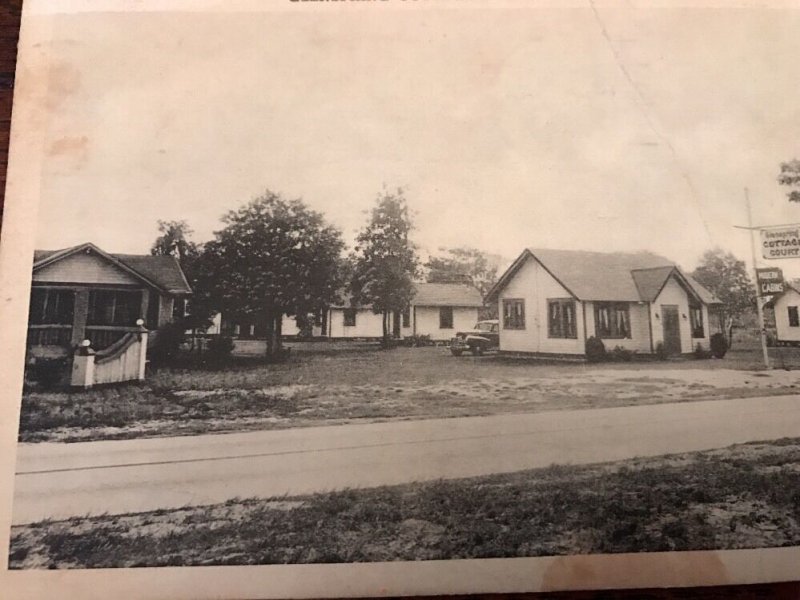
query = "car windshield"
{"x": 484, "y": 326}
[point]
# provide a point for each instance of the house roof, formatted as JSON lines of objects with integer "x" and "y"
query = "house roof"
{"x": 447, "y": 294}
{"x": 434, "y": 294}
{"x": 162, "y": 272}
{"x": 607, "y": 276}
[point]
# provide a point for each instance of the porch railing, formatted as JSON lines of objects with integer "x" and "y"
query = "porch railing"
{"x": 50, "y": 335}
{"x": 105, "y": 336}
{"x": 124, "y": 360}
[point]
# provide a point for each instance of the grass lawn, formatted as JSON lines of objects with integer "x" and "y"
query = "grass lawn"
{"x": 744, "y": 496}
{"x": 327, "y": 383}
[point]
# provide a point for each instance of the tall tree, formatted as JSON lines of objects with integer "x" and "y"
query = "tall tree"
{"x": 175, "y": 240}
{"x": 273, "y": 257}
{"x": 790, "y": 177}
{"x": 463, "y": 265}
{"x": 726, "y": 277}
{"x": 385, "y": 259}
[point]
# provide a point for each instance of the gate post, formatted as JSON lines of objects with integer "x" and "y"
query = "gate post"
{"x": 83, "y": 366}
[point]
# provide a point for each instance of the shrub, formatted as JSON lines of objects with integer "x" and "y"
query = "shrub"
{"x": 661, "y": 352}
{"x": 417, "y": 341}
{"x": 620, "y": 354}
{"x": 167, "y": 343}
{"x": 220, "y": 348}
{"x": 700, "y": 352}
{"x": 719, "y": 345}
{"x": 48, "y": 372}
{"x": 595, "y": 350}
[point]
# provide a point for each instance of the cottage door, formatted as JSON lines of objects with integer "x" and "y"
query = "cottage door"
{"x": 672, "y": 329}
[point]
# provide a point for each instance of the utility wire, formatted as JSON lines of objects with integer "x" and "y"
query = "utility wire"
{"x": 641, "y": 102}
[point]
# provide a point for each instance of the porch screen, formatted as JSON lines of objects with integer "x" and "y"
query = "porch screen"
{"x": 612, "y": 320}
{"x": 51, "y": 306}
{"x": 114, "y": 308}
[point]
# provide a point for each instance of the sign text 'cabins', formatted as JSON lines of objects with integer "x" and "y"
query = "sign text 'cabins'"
{"x": 770, "y": 281}
{"x": 780, "y": 243}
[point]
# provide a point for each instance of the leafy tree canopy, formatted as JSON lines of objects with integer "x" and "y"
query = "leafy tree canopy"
{"x": 463, "y": 265}
{"x": 790, "y": 177}
{"x": 385, "y": 259}
{"x": 273, "y": 257}
{"x": 726, "y": 277}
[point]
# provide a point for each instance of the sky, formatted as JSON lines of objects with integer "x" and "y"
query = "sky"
{"x": 591, "y": 128}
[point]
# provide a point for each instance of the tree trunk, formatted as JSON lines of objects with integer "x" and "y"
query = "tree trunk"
{"x": 270, "y": 334}
{"x": 729, "y": 331}
{"x": 278, "y": 331}
{"x": 385, "y": 339}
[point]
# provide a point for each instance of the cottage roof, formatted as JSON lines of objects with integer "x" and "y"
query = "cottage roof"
{"x": 608, "y": 276}
{"x": 447, "y": 294}
{"x": 162, "y": 272}
{"x": 434, "y": 294}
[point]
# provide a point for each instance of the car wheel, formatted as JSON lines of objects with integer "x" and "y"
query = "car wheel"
{"x": 455, "y": 352}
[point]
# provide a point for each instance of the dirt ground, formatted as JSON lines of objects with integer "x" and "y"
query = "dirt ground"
{"x": 744, "y": 496}
{"x": 329, "y": 384}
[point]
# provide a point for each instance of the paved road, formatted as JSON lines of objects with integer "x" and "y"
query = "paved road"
{"x": 62, "y": 480}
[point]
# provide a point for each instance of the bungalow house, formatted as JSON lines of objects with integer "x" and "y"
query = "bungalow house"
{"x": 437, "y": 310}
{"x": 551, "y": 301}
{"x": 786, "y": 308}
{"x": 83, "y": 292}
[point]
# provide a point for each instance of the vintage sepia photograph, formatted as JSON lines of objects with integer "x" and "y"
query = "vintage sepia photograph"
{"x": 344, "y": 283}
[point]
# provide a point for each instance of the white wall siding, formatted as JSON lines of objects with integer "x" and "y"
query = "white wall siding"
{"x": 674, "y": 294}
{"x": 533, "y": 284}
{"x": 427, "y": 321}
{"x": 782, "y": 304}
{"x": 640, "y": 328}
{"x": 368, "y": 324}
{"x": 84, "y": 268}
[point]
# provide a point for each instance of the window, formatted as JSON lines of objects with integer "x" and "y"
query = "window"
{"x": 696, "y": 317}
{"x": 561, "y": 319}
{"x": 51, "y": 306}
{"x": 445, "y": 317}
{"x": 794, "y": 319}
{"x": 114, "y": 307}
{"x": 349, "y": 317}
{"x": 407, "y": 317}
{"x": 513, "y": 314}
{"x": 612, "y": 320}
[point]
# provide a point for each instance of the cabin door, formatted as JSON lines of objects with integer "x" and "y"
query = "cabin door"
{"x": 672, "y": 329}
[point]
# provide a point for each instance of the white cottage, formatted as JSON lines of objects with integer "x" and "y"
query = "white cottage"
{"x": 438, "y": 310}
{"x": 551, "y": 301}
{"x": 787, "y": 314}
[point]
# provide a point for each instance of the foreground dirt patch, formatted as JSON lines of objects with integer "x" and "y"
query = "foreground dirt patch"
{"x": 366, "y": 387}
{"x": 745, "y": 496}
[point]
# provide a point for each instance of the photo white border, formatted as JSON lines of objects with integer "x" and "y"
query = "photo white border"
{"x": 30, "y": 119}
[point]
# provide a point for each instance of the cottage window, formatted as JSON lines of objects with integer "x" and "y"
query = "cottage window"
{"x": 445, "y": 317}
{"x": 561, "y": 318}
{"x": 114, "y": 307}
{"x": 612, "y": 320}
{"x": 407, "y": 317}
{"x": 696, "y": 317}
{"x": 794, "y": 319}
{"x": 513, "y": 314}
{"x": 349, "y": 317}
{"x": 51, "y": 306}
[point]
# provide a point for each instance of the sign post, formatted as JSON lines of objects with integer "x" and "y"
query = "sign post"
{"x": 758, "y": 287}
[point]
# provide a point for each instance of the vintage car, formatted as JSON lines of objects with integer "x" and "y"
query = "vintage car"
{"x": 485, "y": 336}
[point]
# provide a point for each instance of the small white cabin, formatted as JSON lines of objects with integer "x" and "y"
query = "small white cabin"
{"x": 552, "y": 301}
{"x": 787, "y": 314}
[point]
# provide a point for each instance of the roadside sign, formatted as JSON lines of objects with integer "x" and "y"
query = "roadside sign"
{"x": 780, "y": 243}
{"x": 770, "y": 281}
